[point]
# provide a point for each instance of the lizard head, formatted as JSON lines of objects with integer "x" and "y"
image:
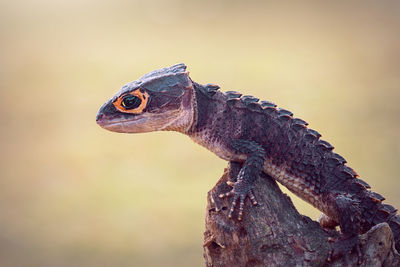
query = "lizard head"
{"x": 160, "y": 100}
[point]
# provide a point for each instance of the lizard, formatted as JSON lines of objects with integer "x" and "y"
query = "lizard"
{"x": 254, "y": 136}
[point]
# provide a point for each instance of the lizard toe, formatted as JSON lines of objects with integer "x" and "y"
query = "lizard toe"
{"x": 235, "y": 198}
{"x": 253, "y": 198}
{"x": 239, "y": 197}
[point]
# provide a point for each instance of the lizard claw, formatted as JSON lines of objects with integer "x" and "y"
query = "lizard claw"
{"x": 239, "y": 192}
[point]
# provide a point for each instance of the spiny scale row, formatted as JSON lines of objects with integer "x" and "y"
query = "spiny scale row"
{"x": 382, "y": 212}
{"x": 252, "y": 103}
{"x": 283, "y": 115}
{"x": 236, "y": 99}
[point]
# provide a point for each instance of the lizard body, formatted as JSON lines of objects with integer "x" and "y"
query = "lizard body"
{"x": 259, "y": 137}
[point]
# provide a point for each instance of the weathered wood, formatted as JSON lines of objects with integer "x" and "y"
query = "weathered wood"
{"x": 273, "y": 233}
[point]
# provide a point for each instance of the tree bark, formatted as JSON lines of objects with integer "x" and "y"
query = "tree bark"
{"x": 273, "y": 233}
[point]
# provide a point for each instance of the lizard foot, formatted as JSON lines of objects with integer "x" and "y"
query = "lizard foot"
{"x": 239, "y": 192}
{"x": 344, "y": 246}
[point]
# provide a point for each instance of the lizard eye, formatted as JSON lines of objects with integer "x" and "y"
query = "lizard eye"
{"x": 130, "y": 102}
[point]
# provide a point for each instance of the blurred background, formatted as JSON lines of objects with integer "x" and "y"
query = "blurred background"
{"x": 73, "y": 194}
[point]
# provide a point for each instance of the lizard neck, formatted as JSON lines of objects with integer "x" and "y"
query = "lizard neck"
{"x": 211, "y": 125}
{"x": 208, "y": 106}
{"x": 186, "y": 115}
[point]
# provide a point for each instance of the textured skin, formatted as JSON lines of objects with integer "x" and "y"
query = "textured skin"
{"x": 258, "y": 136}
{"x": 295, "y": 156}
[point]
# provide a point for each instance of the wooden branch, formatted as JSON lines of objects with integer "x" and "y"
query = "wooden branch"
{"x": 275, "y": 234}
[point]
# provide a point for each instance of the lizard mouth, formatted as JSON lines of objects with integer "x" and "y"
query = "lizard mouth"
{"x": 122, "y": 126}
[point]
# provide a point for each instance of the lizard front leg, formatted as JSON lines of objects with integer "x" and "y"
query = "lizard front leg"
{"x": 247, "y": 175}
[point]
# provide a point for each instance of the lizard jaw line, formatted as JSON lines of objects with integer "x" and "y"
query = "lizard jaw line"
{"x": 121, "y": 126}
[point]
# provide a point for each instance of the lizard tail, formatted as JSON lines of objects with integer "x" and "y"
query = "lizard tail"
{"x": 394, "y": 224}
{"x": 376, "y": 212}
{"x": 387, "y": 213}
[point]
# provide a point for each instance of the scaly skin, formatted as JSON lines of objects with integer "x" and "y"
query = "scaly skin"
{"x": 259, "y": 137}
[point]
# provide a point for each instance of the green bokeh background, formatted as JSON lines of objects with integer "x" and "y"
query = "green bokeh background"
{"x": 73, "y": 194}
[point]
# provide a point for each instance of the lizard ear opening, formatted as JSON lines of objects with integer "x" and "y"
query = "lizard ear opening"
{"x": 132, "y": 102}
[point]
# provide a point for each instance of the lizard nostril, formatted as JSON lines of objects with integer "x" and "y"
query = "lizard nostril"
{"x": 99, "y": 116}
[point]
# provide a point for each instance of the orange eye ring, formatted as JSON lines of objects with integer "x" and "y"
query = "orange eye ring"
{"x": 144, "y": 97}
